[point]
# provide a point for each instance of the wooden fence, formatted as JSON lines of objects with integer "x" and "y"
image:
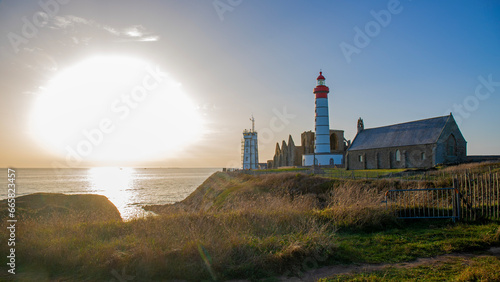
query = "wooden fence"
{"x": 480, "y": 196}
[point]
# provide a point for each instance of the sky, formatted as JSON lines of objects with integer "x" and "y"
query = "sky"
{"x": 174, "y": 83}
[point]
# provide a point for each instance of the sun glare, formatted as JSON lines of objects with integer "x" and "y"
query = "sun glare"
{"x": 116, "y": 183}
{"x": 111, "y": 109}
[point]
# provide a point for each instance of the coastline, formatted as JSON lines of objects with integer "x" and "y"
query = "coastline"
{"x": 240, "y": 226}
{"x": 128, "y": 189}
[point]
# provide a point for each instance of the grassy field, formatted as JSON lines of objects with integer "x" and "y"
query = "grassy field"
{"x": 230, "y": 246}
{"x": 453, "y": 268}
{"x": 289, "y": 169}
{"x": 417, "y": 240}
{"x": 363, "y": 173}
{"x": 337, "y": 172}
{"x": 435, "y": 174}
{"x": 237, "y": 226}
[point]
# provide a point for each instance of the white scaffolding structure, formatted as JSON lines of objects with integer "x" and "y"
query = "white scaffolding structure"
{"x": 250, "y": 148}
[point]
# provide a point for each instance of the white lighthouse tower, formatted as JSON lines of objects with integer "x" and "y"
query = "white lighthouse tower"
{"x": 250, "y": 148}
{"x": 321, "y": 123}
{"x": 322, "y": 150}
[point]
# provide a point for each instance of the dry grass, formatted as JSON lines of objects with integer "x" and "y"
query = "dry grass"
{"x": 240, "y": 242}
{"x": 232, "y": 226}
{"x": 471, "y": 168}
{"x": 358, "y": 206}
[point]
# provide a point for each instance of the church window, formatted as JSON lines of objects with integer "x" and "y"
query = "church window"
{"x": 398, "y": 156}
{"x": 451, "y": 146}
{"x": 360, "y": 158}
{"x": 422, "y": 156}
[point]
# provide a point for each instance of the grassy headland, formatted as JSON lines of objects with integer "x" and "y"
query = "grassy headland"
{"x": 87, "y": 207}
{"x": 241, "y": 226}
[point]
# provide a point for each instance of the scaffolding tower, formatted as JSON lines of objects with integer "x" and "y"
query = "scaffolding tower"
{"x": 250, "y": 148}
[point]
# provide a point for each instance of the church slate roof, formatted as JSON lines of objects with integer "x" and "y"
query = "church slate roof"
{"x": 420, "y": 132}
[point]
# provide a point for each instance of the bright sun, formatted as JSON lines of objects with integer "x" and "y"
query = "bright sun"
{"x": 112, "y": 109}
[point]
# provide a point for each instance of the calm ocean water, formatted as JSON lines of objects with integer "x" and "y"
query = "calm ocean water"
{"x": 127, "y": 188}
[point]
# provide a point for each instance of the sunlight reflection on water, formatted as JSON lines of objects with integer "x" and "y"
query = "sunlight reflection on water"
{"x": 117, "y": 185}
{"x": 127, "y": 188}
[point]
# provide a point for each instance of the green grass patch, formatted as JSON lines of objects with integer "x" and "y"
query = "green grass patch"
{"x": 482, "y": 268}
{"x": 367, "y": 173}
{"x": 288, "y": 169}
{"x": 221, "y": 198}
{"x": 412, "y": 242}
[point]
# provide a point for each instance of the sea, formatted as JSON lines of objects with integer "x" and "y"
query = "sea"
{"x": 127, "y": 188}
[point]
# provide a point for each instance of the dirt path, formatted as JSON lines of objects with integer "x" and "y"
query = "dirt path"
{"x": 327, "y": 271}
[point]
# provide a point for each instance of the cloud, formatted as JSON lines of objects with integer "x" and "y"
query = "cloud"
{"x": 135, "y": 31}
{"x": 78, "y": 25}
{"x": 150, "y": 38}
{"x": 41, "y": 61}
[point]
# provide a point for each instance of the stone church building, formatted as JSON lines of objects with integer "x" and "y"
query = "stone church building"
{"x": 291, "y": 155}
{"x": 417, "y": 144}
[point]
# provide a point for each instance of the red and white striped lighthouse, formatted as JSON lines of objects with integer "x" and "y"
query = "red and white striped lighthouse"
{"x": 322, "y": 124}
{"x": 322, "y": 152}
